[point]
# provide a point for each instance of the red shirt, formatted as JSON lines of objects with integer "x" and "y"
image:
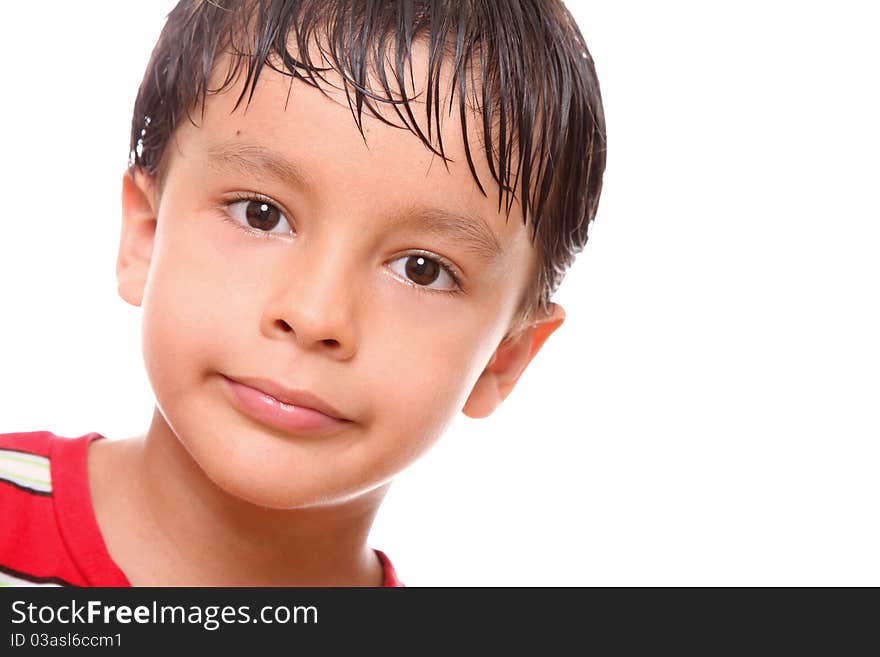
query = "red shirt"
{"x": 48, "y": 531}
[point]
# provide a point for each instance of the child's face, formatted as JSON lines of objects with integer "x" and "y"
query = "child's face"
{"x": 328, "y": 301}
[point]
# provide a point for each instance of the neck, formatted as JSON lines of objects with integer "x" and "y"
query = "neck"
{"x": 200, "y": 535}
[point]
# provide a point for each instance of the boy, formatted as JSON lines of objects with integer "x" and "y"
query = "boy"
{"x": 343, "y": 222}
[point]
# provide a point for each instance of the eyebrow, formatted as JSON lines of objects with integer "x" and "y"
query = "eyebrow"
{"x": 258, "y": 161}
{"x": 471, "y": 232}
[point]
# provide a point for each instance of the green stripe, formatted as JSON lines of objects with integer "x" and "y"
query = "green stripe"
{"x": 18, "y": 457}
{"x": 17, "y": 477}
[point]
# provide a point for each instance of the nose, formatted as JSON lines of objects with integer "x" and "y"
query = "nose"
{"x": 313, "y": 299}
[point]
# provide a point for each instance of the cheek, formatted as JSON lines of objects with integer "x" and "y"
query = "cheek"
{"x": 192, "y": 309}
{"x": 425, "y": 367}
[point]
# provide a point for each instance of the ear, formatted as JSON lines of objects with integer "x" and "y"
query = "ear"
{"x": 508, "y": 362}
{"x": 139, "y": 212}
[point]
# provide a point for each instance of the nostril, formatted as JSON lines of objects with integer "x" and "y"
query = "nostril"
{"x": 284, "y": 326}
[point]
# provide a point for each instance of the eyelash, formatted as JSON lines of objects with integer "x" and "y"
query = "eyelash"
{"x": 238, "y": 198}
{"x": 447, "y": 266}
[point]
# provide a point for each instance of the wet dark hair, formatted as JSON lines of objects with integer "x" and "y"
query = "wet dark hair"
{"x": 520, "y": 65}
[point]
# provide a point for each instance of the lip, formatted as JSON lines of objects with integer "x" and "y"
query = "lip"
{"x": 290, "y": 410}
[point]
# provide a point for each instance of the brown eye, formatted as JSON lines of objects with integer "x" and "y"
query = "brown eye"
{"x": 262, "y": 216}
{"x": 422, "y": 271}
{"x": 259, "y": 216}
{"x": 425, "y": 272}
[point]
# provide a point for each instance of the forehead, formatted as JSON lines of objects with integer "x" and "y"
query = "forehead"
{"x": 310, "y": 137}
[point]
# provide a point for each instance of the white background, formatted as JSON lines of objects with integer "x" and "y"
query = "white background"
{"x": 708, "y": 413}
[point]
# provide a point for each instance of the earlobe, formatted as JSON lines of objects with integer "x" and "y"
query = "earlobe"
{"x": 509, "y": 362}
{"x": 139, "y": 212}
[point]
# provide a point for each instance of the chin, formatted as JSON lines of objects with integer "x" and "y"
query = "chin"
{"x": 281, "y": 482}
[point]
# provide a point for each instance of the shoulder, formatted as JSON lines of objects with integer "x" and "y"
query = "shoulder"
{"x": 30, "y": 442}
{"x": 33, "y": 465}
{"x": 33, "y": 460}
{"x": 24, "y": 463}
